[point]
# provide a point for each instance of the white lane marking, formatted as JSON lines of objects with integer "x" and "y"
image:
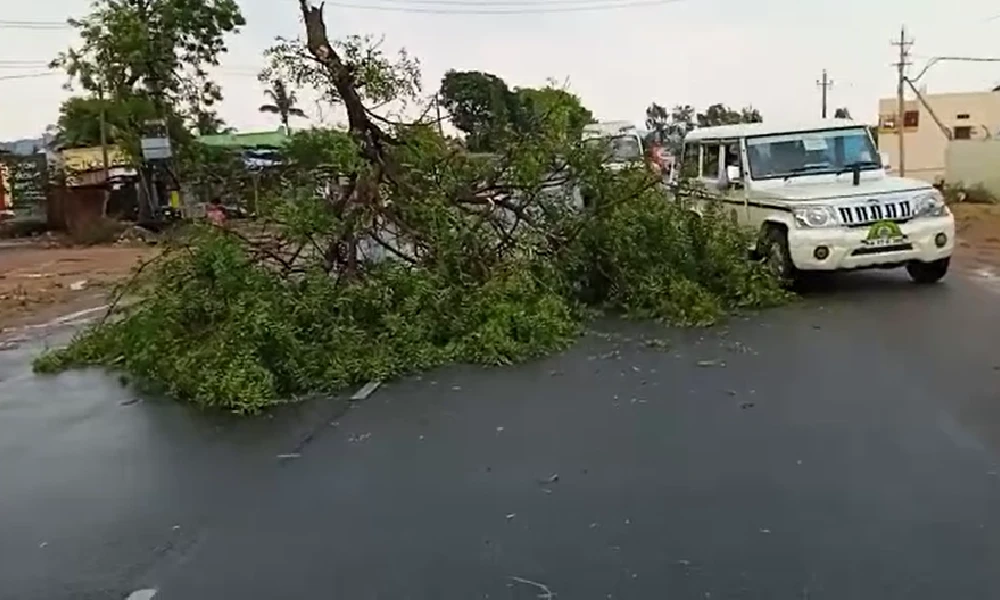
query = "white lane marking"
{"x": 141, "y": 595}
{"x": 76, "y": 318}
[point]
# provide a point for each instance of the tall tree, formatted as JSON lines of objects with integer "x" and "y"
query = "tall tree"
{"x": 483, "y": 108}
{"x": 155, "y": 50}
{"x": 382, "y": 78}
{"x": 553, "y": 108}
{"x": 720, "y": 114}
{"x": 480, "y": 105}
{"x": 657, "y": 121}
{"x": 79, "y": 123}
{"x": 282, "y": 103}
{"x": 669, "y": 126}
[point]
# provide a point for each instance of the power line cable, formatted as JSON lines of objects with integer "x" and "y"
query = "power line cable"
{"x": 34, "y": 25}
{"x": 436, "y": 7}
{"x": 499, "y": 4}
{"x": 28, "y": 75}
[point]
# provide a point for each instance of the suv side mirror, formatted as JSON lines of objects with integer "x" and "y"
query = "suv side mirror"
{"x": 884, "y": 156}
{"x": 733, "y": 173}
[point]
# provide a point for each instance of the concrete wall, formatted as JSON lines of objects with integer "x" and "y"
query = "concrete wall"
{"x": 925, "y": 143}
{"x": 972, "y": 163}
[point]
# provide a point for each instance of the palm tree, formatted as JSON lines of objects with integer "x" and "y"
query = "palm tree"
{"x": 282, "y": 103}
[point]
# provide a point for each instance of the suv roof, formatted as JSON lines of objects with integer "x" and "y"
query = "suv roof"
{"x": 750, "y": 129}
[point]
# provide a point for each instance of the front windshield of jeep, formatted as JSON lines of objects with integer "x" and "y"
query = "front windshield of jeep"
{"x": 619, "y": 148}
{"x": 825, "y": 152}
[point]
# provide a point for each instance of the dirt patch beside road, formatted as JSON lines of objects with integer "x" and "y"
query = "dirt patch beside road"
{"x": 39, "y": 283}
{"x": 977, "y": 228}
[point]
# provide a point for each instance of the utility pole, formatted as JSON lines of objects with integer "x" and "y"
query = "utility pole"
{"x": 104, "y": 146}
{"x": 904, "y": 61}
{"x": 437, "y": 107}
{"x": 825, "y": 83}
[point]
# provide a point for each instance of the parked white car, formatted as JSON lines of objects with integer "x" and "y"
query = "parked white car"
{"x": 819, "y": 198}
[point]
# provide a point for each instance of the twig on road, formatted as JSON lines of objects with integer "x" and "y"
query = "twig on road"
{"x": 545, "y": 594}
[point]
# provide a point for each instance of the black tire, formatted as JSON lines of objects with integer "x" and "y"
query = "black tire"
{"x": 928, "y": 272}
{"x": 773, "y": 249}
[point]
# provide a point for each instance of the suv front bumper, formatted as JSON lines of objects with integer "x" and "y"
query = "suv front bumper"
{"x": 829, "y": 249}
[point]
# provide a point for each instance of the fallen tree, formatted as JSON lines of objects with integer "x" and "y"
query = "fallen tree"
{"x": 390, "y": 250}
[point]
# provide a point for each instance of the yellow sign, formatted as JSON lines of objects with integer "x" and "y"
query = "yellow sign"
{"x": 90, "y": 159}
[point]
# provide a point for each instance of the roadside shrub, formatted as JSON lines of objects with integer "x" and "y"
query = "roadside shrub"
{"x": 977, "y": 194}
{"x": 99, "y": 231}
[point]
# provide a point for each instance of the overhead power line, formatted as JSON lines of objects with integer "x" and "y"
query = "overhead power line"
{"x": 34, "y": 25}
{"x": 443, "y": 7}
{"x": 29, "y": 75}
{"x": 457, "y": 7}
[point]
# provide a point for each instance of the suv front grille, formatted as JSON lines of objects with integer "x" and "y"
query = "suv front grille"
{"x": 865, "y": 214}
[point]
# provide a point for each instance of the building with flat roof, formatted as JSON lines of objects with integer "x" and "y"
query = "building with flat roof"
{"x": 963, "y": 116}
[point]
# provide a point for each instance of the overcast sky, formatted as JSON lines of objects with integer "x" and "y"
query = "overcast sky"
{"x": 768, "y": 53}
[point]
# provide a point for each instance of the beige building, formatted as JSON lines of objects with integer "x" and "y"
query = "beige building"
{"x": 968, "y": 116}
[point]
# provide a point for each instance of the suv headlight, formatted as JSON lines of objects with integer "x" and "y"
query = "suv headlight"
{"x": 815, "y": 216}
{"x": 930, "y": 204}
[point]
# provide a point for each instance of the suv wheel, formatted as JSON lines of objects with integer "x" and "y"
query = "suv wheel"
{"x": 928, "y": 272}
{"x": 774, "y": 250}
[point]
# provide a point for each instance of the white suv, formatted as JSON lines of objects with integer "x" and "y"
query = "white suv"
{"x": 819, "y": 198}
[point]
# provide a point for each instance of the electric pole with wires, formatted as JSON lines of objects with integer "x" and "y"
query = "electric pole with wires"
{"x": 825, "y": 83}
{"x": 904, "y": 61}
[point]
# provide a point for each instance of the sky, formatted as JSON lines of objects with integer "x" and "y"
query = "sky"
{"x": 618, "y": 57}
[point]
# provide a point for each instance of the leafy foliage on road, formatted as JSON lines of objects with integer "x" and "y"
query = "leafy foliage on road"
{"x": 389, "y": 249}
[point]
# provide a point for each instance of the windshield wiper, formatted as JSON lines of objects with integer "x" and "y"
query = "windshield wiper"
{"x": 803, "y": 169}
{"x": 859, "y": 165}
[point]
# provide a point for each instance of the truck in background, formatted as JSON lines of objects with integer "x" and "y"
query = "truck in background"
{"x": 621, "y": 141}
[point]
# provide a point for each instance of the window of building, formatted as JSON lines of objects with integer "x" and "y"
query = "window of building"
{"x": 911, "y": 118}
{"x": 963, "y": 133}
{"x": 963, "y": 117}
{"x": 887, "y": 121}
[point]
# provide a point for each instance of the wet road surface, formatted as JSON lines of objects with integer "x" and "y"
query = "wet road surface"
{"x": 846, "y": 447}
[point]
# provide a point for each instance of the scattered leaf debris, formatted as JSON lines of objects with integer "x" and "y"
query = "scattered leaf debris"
{"x": 712, "y": 363}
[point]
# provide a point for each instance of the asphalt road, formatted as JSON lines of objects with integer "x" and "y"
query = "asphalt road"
{"x": 846, "y": 447}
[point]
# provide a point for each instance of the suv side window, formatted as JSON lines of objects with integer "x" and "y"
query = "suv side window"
{"x": 710, "y": 160}
{"x": 733, "y": 157}
{"x": 690, "y": 168}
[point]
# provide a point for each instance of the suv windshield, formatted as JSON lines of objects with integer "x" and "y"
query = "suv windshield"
{"x": 829, "y": 151}
{"x": 620, "y": 148}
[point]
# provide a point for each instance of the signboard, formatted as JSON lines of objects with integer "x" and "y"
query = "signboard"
{"x": 85, "y": 166}
{"x": 23, "y": 179}
{"x": 155, "y": 142}
{"x": 92, "y": 159}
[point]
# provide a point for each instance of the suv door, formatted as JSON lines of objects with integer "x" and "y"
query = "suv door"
{"x": 736, "y": 189}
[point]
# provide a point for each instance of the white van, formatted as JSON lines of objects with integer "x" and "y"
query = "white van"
{"x": 620, "y": 140}
{"x": 819, "y": 198}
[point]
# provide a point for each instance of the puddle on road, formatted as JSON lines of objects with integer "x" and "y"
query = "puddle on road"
{"x": 988, "y": 277}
